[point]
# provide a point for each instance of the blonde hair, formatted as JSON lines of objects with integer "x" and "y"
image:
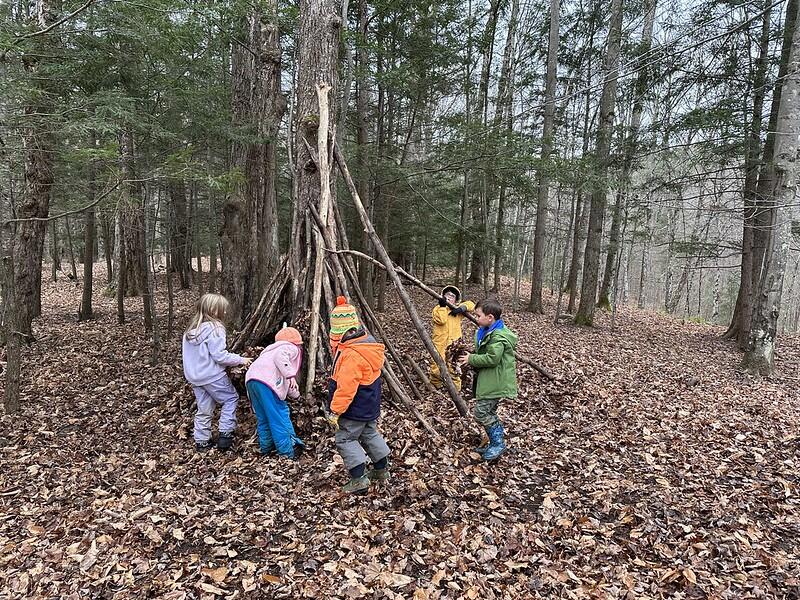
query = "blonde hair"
{"x": 210, "y": 308}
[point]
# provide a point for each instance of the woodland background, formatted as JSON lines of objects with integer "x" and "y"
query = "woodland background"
{"x": 626, "y": 165}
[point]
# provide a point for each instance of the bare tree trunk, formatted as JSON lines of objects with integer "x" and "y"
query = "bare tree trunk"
{"x": 131, "y": 221}
{"x": 744, "y": 303}
{"x": 85, "y": 311}
{"x": 170, "y": 289}
{"x": 547, "y": 148}
{"x": 760, "y": 355}
{"x": 631, "y": 143}
{"x": 578, "y": 243}
{"x": 480, "y": 209}
{"x": 365, "y": 271}
{"x": 249, "y": 231}
{"x": 55, "y": 266}
{"x": 71, "y": 247}
{"x": 317, "y": 61}
{"x": 13, "y": 337}
{"x": 591, "y": 263}
{"x": 324, "y": 166}
{"x": 179, "y": 232}
{"x": 504, "y": 120}
{"x": 108, "y": 247}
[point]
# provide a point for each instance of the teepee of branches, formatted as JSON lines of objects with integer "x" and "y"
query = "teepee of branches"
{"x": 320, "y": 265}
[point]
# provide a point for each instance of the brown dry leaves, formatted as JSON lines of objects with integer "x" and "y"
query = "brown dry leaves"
{"x": 650, "y": 470}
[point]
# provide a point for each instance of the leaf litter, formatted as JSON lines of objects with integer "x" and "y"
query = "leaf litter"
{"x": 650, "y": 469}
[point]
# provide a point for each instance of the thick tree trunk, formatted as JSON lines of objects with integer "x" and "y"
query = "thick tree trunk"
{"x": 540, "y": 233}
{"x": 38, "y": 150}
{"x": 597, "y": 211}
{"x": 744, "y": 302}
{"x": 760, "y": 355}
{"x": 249, "y": 230}
{"x": 317, "y": 61}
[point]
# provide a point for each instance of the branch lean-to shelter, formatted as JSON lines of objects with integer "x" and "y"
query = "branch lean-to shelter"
{"x": 320, "y": 265}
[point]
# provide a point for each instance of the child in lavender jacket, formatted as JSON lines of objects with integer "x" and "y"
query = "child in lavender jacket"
{"x": 204, "y": 361}
{"x": 269, "y": 380}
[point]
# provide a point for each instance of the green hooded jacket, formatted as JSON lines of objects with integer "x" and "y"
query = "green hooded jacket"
{"x": 497, "y": 367}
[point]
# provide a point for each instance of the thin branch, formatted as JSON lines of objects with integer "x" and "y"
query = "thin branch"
{"x": 95, "y": 202}
{"x": 52, "y": 26}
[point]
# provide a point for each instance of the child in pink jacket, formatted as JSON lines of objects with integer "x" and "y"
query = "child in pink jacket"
{"x": 269, "y": 380}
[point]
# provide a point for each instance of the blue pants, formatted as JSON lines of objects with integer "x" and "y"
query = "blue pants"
{"x": 275, "y": 429}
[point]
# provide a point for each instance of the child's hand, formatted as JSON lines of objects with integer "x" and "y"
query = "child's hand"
{"x": 333, "y": 419}
{"x": 464, "y": 360}
{"x": 293, "y": 387}
{"x": 247, "y": 362}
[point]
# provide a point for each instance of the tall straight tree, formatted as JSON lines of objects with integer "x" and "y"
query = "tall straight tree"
{"x": 365, "y": 272}
{"x": 781, "y": 197}
{"x": 38, "y": 146}
{"x": 250, "y": 213}
{"x": 480, "y": 208}
{"x": 597, "y": 211}
{"x": 640, "y": 88}
{"x": 85, "y": 311}
{"x": 317, "y": 61}
{"x": 740, "y": 323}
{"x": 547, "y": 148}
{"x": 504, "y": 122}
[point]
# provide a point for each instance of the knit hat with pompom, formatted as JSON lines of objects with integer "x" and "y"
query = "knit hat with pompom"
{"x": 343, "y": 317}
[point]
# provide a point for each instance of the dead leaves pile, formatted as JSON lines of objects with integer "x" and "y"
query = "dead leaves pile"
{"x": 651, "y": 469}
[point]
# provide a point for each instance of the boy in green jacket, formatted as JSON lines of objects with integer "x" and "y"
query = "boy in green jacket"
{"x": 496, "y": 372}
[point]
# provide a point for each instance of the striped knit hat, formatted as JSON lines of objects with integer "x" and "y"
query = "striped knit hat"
{"x": 343, "y": 317}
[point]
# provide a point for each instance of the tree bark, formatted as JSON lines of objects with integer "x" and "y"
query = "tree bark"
{"x": 591, "y": 262}
{"x": 249, "y": 230}
{"x": 760, "y": 356}
{"x": 744, "y": 302}
{"x": 365, "y": 272}
{"x": 38, "y": 146}
{"x": 480, "y": 210}
{"x": 85, "y": 311}
{"x": 71, "y": 247}
{"x": 179, "y": 232}
{"x": 13, "y": 337}
{"x": 540, "y": 232}
{"x": 131, "y": 221}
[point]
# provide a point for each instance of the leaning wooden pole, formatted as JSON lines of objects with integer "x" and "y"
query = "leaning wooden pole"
{"x": 404, "y": 297}
{"x": 433, "y": 293}
{"x": 319, "y": 242}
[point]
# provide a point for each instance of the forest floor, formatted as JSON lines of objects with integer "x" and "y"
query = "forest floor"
{"x": 651, "y": 469}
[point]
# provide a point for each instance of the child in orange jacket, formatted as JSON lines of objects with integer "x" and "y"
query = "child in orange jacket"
{"x": 354, "y": 395}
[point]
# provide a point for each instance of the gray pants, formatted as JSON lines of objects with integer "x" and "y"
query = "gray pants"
{"x": 208, "y": 396}
{"x": 485, "y": 411}
{"x": 356, "y": 440}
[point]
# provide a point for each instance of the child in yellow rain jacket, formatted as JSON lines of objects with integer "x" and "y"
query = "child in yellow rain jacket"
{"x": 447, "y": 328}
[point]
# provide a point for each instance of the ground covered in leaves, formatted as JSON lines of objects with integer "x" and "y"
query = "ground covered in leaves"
{"x": 650, "y": 469}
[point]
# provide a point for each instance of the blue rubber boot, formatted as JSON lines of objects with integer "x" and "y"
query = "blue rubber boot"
{"x": 496, "y": 443}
